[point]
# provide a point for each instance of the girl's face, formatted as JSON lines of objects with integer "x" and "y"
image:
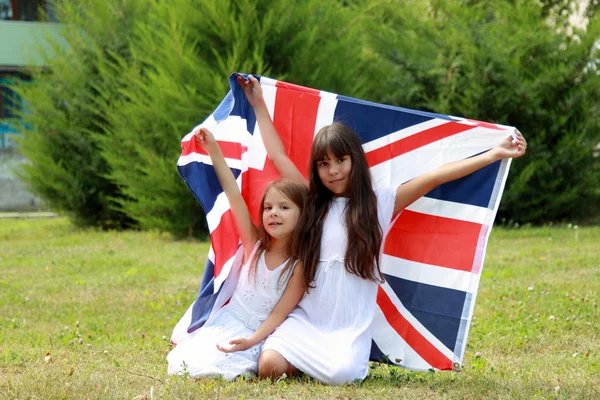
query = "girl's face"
{"x": 280, "y": 215}
{"x": 334, "y": 173}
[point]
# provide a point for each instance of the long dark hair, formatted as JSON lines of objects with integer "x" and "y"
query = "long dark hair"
{"x": 362, "y": 225}
{"x": 298, "y": 194}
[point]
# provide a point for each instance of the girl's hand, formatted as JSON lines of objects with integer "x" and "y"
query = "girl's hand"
{"x": 252, "y": 89}
{"x": 511, "y": 147}
{"x": 235, "y": 345}
{"x": 205, "y": 139}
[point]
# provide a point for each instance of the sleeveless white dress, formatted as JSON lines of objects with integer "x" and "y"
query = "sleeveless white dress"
{"x": 253, "y": 300}
{"x": 328, "y": 335}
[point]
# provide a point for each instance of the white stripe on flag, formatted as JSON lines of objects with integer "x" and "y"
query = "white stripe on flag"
{"x": 428, "y": 274}
{"x": 219, "y": 279}
{"x": 475, "y": 122}
{"x": 326, "y": 111}
{"x": 264, "y": 81}
{"x": 450, "y": 209}
{"x": 415, "y": 322}
{"x": 208, "y": 122}
{"x": 231, "y": 129}
{"x": 205, "y": 159}
{"x": 221, "y": 206}
{"x": 211, "y": 254}
{"x": 213, "y": 217}
{"x": 256, "y": 148}
{"x": 393, "y": 345}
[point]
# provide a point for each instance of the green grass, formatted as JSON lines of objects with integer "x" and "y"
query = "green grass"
{"x": 536, "y": 320}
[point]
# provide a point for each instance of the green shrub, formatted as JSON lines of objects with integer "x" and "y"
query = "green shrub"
{"x": 66, "y": 168}
{"x": 182, "y": 56}
{"x": 106, "y": 118}
{"x": 505, "y": 62}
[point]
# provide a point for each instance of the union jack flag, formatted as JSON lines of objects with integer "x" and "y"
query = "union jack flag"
{"x": 434, "y": 252}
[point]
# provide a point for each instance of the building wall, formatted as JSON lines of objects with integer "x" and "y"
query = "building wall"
{"x": 21, "y": 42}
{"x": 14, "y": 196}
{"x": 22, "y": 37}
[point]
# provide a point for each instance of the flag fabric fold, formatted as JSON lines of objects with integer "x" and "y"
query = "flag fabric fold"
{"x": 433, "y": 255}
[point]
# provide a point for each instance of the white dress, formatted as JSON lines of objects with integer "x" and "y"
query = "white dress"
{"x": 328, "y": 334}
{"x": 253, "y": 300}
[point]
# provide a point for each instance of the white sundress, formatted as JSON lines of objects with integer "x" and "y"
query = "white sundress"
{"x": 328, "y": 335}
{"x": 253, "y": 300}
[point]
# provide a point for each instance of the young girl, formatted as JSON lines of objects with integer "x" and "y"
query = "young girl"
{"x": 328, "y": 335}
{"x": 228, "y": 345}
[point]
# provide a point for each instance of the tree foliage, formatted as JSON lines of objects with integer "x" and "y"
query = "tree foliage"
{"x": 66, "y": 169}
{"x": 182, "y": 55}
{"x": 504, "y": 62}
{"x": 107, "y": 116}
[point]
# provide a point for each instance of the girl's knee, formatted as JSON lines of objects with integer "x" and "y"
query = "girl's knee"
{"x": 273, "y": 365}
{"x": 346, "y": 370}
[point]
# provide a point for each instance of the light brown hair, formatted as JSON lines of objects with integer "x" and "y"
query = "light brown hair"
{"x": 298, "y": 194}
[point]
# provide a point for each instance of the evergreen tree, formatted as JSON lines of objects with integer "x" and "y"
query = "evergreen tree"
{"x": 107, "y": 116}
{"x": 183, "y": 54}
{"x": 66, "y": 169}
{"x": 505, "y": 62}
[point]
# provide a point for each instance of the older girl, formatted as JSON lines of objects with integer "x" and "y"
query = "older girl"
{"x": 328, "y": 335}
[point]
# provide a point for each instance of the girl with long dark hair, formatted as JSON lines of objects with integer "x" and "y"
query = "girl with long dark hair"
{"x": 339, "y": 241}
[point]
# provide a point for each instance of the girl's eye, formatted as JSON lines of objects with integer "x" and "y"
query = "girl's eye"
{"x": 268, "y": 208}
{"x": 285, "y": 207}
{"x": 340, "y": 160}
{"x": 322, "y": 164}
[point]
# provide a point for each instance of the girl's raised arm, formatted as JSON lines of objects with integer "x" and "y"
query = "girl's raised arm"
{"x": 289, "y": 300}
{"x": 239, "y": 209}
{"x": 411, "y": 191}
{"x": 275, "y": 149}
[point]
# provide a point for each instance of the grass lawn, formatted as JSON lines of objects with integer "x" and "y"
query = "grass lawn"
{"x": 535, "y": 334}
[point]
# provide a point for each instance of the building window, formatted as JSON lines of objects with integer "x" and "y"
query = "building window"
{"x": 26, "y": 10}
{"x": 9, "y": 101}
{"x": 6, "y": 10}
{"x": 11, "y": 106}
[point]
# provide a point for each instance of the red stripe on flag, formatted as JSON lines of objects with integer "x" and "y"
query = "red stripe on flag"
{"x": 298, "y": 88}
{"x": 415, "y": 141}
{"x": 429, "y": 239}
{"x": 294, "y": 117}
{"x": 231, "y": 150}
{"x": 480, "y": 252}
{"x": 254, "y": 184}
{"x": 225, "y": 241}
{"x": 410, "y": 334}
